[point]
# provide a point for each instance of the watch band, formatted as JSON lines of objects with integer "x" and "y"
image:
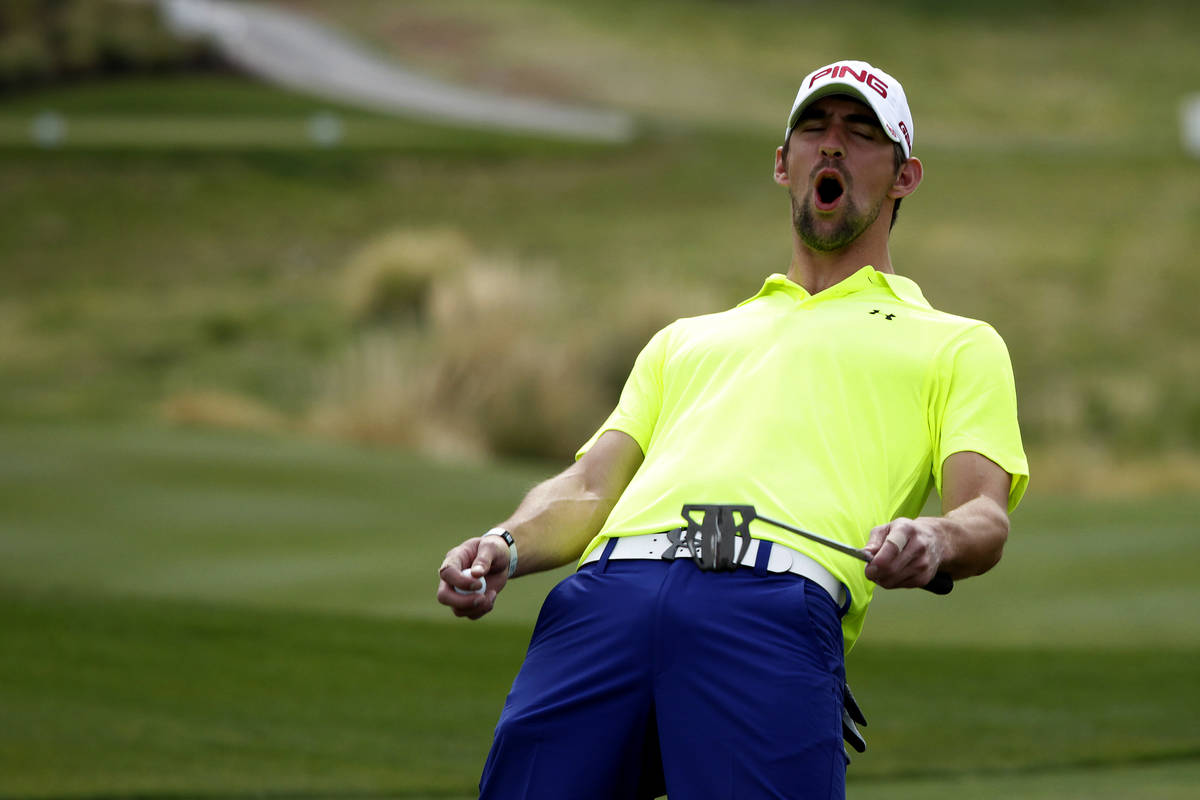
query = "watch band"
{"x": 512, "y": 547}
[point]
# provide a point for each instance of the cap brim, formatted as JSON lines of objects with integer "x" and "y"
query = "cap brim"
{"x": 847, "y": 89}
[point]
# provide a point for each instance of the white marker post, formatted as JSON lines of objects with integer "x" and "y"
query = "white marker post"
{"x": 1189, "y": 122}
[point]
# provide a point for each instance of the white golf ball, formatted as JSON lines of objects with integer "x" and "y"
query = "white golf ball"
{"x": 482, "y": 584}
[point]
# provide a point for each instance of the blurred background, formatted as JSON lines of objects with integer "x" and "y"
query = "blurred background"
{"x": 295, "y": 296}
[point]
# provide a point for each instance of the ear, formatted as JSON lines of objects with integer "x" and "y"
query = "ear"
{"x": 781, "y": 175}
{"x": 908, "y": 179}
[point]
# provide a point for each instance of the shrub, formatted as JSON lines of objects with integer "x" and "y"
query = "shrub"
{"x": 220, "y": 409}
{"x": 391, "y": 277}
{"x": 24, "y": 58}
{"x": 471, "y": 357}
{"x": 485, "y": 373}
{"x": 42, "y": 40}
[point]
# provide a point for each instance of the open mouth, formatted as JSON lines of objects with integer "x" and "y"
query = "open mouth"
{"x": 829, "y": 189}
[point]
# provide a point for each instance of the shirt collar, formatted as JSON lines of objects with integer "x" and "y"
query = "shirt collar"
{"x": 904, "y": 289}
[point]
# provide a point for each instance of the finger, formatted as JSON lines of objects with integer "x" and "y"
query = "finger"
{"x": 881, "y": 556}
{"x": 898, "y": 538}
{"x": 875, "y": 540}
{"x": 894, "y": 555}
{"x": 454, "y": 569}
{"x": 899, "y": 542}
{"x": 485, "y": 605}
{"x": 487, "y": 599}
{"x": 912, "y": 568}
{"x": 482, "y": 565}
{"x": 479, "y": 586}
{"x": 896, "y": 578}
{"x": 491, "y": 559}
{"x": 460, "y": 604}
{"x": 460, "y": 579}
{"x": 457, "y": 588}
{"x": 475, "y": 612}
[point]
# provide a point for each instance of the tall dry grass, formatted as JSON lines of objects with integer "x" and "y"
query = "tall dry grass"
{"x": 391, "y": 277}
{"x": 210, "y": 408}
{"x": 466, "y": 355}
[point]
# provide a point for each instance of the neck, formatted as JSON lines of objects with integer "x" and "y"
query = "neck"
{"x": 818, "y": 270}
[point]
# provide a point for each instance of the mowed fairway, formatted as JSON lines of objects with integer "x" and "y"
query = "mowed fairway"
{"x": 190, "y": 614}
{"x": 193, "y": 614}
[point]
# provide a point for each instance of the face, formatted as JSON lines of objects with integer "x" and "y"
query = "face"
{"x": 840, "y": 170}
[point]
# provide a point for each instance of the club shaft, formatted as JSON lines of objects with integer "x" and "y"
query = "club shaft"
{"x": 819, "y": 539}
{"x": 942, "y": 583}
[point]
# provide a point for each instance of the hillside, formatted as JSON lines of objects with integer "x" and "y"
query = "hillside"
{"x": 186, "y": 251}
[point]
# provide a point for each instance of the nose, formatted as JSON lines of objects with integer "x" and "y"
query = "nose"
{"x": 832, "y": 148}
{"x": 833, "y": 142}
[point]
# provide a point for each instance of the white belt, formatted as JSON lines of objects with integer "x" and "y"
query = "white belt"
{"x": 651, "y": 546}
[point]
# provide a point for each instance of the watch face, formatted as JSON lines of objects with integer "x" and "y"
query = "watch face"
{"x": 501, "y": 533}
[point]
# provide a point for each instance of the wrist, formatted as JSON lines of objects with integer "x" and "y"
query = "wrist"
{"x": 950, "y": 544}
{"x": 512, "y": 547}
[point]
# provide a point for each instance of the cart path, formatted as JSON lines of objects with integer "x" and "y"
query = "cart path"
{"x": 296, "y": 52}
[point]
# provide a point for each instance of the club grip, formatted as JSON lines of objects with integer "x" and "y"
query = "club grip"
{"x": 942, "y": 583}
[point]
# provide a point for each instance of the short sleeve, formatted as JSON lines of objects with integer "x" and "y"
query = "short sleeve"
{"x": 975, "y": 407}
{"x": 641, "y": 399}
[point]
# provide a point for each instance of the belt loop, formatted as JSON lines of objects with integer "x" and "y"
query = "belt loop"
{"x": 845, "y": 603}
{"x": 762, "y": 558}
{"x": 608, "y": 548}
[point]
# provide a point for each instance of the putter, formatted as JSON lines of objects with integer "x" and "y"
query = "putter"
{"x": 942, "y": 583}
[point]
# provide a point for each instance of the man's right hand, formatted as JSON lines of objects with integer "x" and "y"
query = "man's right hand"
{"x": 485, "y": 557}
{"x": 556, "y": 520}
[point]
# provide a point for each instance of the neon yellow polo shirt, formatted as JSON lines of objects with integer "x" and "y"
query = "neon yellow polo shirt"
{"x": 833, "y": 412}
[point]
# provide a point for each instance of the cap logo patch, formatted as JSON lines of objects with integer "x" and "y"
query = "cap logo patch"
{"x": 907, "y": 137}
{"x": 837, "y": 72}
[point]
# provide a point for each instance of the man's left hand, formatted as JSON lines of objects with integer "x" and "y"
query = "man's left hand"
{"x": 905, "y": 553}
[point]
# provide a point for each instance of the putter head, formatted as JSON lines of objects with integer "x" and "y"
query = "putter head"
{"x": 712, "y": 537}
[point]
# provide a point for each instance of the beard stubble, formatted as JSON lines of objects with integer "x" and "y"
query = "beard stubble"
{"x": 851, "y": 225}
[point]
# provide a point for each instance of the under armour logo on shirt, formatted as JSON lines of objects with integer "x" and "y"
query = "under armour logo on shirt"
{"x": 885, "y": 316}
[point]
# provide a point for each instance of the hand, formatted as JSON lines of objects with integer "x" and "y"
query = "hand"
{"x": 904, "y": 552}
{"x": 485, "y": 557}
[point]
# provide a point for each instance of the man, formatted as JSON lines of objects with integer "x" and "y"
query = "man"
{"x": 834, "y": 400}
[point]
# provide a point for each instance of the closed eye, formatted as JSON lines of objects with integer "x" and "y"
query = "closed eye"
{"x": 866, "y": 131}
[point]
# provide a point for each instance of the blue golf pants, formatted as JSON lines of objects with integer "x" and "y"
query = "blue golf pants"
{"x": 645, "y": 677}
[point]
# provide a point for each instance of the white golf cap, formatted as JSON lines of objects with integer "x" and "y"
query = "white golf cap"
{"x": 873, "y": 86}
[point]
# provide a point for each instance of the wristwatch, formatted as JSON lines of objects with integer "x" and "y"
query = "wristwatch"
{"x": 512, "y": 547}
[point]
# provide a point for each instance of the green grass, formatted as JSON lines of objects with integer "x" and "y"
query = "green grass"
{"x": 118, "y": 697}
{"x": 251, "y": 245}
{"x": 214, "y": 113}
{"x": 188, "y": 614}
{"x": 187, "y": 699}
{"x": 184, "y": 613}
{"x": 263, "y": 521}
{"x": 222, "y": 99}
{"x": 1058, "y": 203}
{"x": 293, "y": 523}
{"x": 185, "y": 94}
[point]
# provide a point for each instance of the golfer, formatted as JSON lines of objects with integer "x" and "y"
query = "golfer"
{"x": 834, "y": 400}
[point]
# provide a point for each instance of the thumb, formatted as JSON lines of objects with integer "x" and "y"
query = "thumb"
{"x": 485, "y": 559}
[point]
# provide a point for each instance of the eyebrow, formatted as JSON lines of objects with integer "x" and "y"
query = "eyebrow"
{"x": 814, "y": 113}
